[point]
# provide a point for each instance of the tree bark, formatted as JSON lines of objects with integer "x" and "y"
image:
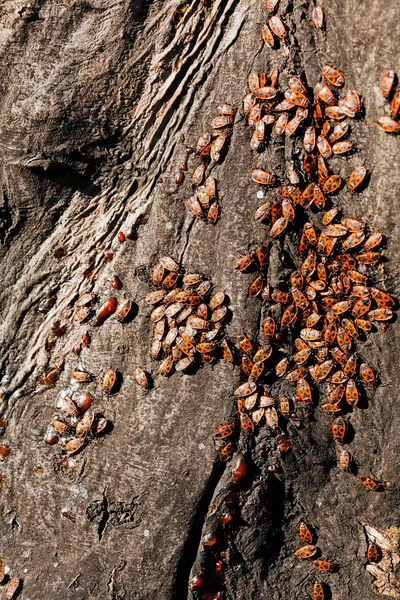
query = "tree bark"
{"x": 96, "y": 107}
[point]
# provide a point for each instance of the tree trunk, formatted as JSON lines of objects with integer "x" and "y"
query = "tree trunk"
{"x": 96, "y": 107}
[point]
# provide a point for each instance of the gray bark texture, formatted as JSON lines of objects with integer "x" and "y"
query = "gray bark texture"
{"x": 94, "y": 109}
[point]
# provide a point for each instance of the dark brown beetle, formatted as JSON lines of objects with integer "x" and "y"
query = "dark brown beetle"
{"x": 106, "y": 309}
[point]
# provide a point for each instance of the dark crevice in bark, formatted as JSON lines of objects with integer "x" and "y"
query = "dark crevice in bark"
{"x": 5, "y": 218}
{"x": 191, "y": 545}
{"x": 104, "y": 517}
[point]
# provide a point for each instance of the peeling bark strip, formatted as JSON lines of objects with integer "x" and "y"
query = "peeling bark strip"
{"x": 100, "y": 100}
{"x": 383, "y": 573}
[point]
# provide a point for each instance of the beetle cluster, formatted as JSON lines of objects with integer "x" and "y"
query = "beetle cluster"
{"x": 309, "y": 550}
{"x": 275, "y": 28}
{"x": 390, "y": 124}
{"x": 258, "y": 259}
{"x": 321, "y": 140}
{"x": 13, "y": 583}
{"x": 327, "y": 308}
{"x": 253, "y": 404}
{"x": 78, "y": 422}
{"x": 282, "y": 211}
{"x": 188, "y": 323}
{"x": 74, "y": 426}
{"x": 329, "y": 303}
{"x": 204, "y": 202}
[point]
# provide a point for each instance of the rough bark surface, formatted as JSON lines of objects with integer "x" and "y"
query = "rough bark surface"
{"x": 94, "y": 109}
